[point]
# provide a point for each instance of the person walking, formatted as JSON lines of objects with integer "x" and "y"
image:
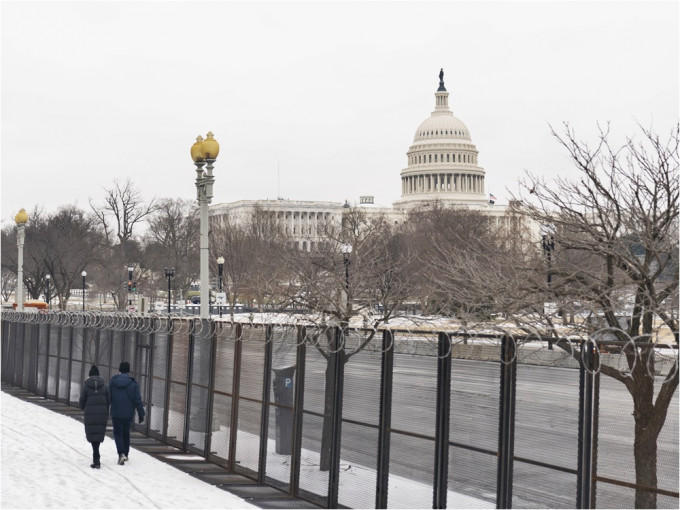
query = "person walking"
{"x": 94, "y": 401}
{"x": 125, "y": 398}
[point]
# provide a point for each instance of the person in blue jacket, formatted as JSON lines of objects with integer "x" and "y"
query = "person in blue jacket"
{"x": 125, "y": 398}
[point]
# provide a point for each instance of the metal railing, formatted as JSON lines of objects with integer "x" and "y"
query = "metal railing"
{"x": 362, "y": 417}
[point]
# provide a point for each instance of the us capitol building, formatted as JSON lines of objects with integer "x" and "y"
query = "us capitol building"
{"x": 442, "y": 165}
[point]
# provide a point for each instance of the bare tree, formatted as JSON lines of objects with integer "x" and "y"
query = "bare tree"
{"x": 9, "y": 283}
{"x": 123, "y": 211}
{"x": 251, "y": 248}
{"x": 336, "y": 284}
{"x": 61, "y": 244}
{"x": 173, "y": 241}
{"x": 462, "y": 254}
{"x": 616, "y": 250}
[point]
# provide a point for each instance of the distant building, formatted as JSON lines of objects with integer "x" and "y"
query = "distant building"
{"x": 442, "y": 165}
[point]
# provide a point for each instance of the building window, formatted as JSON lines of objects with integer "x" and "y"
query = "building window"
{"x": 435, "y": 158}
{"x": 447, "y": 158}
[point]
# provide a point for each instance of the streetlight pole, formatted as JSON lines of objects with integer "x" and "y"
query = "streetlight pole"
{"x": 84, "y": 274}
{"x": 21, "y": 219}
{"x": 169, "y": 273}
{"x": 220, "y": 268}
{"x": 548, "y": 248}
{"x": 548, "y": 241}
{"x": 204, "y": 152}
{"x": 130, "y": 268}
{"x": 346, "y": 249}
{"x": 48, "y": 278}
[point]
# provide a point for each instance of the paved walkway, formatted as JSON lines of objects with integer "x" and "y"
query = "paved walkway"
{"x": 263, "y": 496}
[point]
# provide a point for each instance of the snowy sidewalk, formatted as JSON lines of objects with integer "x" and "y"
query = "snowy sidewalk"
{"x": 46, "y": 464}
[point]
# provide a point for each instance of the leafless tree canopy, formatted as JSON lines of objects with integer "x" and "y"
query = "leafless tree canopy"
{"x": 615, "y": 232}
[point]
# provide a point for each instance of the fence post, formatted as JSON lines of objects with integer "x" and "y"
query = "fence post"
{"x": 168, "y": 386}
{"x": 338, "y": 365}
{"x": 506, "y": 428}
{"x": 149, "y": 373}
{"x": 585, "y": 426}
{"x": 441, "y": 443}
{"x": 190, "y": 373}
{"x": 385, "y": 419}
{"x": 296, "y": 446}
{"x": 264, "y": 419}
{"x": 47, "y": 359}
{"x": 236, "y": 389}
{"x": 211, "y": 391}
{"x": 72, "y": 333}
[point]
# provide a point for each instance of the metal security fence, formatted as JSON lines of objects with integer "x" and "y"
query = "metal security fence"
{"x": 361, "y": 418}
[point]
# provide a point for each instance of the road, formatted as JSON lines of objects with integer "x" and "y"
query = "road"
{"x": 546, "y": 429}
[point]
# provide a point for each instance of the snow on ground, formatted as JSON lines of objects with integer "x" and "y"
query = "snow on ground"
{"x": 46, "y": 464}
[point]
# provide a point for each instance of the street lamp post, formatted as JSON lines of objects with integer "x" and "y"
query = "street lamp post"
{"x": 346, "y": 249}
{"x": 84, "y": 274}
{"x": 220, "y": 268}
{"x": 548, "y": 241}
{"x": 21, "y": 219}
{"x": 130, "y": 268}
{"x": 548, "y": 248}
{"x": 204, "y": 152}
{"x": 48, "y": 278}
{"x": 169, "y": 273}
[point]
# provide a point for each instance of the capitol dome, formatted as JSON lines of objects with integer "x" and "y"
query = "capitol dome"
{"x": 442, "y": 160}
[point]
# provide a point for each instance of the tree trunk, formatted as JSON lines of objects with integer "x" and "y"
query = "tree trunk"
{"x": 327, "y": 427}
{"x": 645, "y": 452}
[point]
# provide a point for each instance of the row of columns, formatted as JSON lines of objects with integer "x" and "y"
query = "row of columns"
{"x": 464, "y": 158}
{"x": 302, "y": 222}
{"x": 437, "y": 182}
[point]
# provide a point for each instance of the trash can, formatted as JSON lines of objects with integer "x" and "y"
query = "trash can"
{"x": 284, "y": 396}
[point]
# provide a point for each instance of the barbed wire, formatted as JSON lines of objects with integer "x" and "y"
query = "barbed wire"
{"x": 613, "y": 347}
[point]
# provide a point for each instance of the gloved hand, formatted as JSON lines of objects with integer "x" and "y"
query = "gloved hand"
{"x": 141, "y": 420}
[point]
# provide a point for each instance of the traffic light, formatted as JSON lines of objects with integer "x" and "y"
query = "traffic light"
{"x": 129, "y": 285}
{"x": 134, "y": 286}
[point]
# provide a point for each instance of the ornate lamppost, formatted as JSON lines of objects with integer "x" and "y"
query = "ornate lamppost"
{"x": 204, "y": 152}
{"x": 84, "y": 274}
{"x": 220, "y": 269}
{"x": 169, "y": 273}
{"x": 21, "y": 219}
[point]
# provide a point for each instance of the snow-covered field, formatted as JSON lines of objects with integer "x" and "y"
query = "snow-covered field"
{"x": 45, "y": 463}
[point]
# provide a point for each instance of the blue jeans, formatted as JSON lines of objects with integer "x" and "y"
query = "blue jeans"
{"x": 121, "y": 434}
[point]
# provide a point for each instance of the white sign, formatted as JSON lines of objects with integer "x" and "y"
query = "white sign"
{"x": 221, "y": 298}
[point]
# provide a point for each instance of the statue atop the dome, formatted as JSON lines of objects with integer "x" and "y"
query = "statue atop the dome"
{"x": 441, "y": 81}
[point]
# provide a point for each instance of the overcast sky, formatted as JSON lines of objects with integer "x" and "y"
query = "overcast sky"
{"x": 313, "y": 101}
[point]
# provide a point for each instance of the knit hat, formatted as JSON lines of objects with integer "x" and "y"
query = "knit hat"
{"x": 124, "y": 367}
{"x": 94, "y": 370}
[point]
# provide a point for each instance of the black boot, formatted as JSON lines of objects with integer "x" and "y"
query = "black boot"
{"x": 95, "y": 465}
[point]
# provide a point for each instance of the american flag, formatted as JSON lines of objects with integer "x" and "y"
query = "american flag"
{"x": 492, "y": 197}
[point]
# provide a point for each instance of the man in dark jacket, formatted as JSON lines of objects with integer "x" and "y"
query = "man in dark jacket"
{"x": 125, "y": 398}
{"x": 94, "y": 400}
